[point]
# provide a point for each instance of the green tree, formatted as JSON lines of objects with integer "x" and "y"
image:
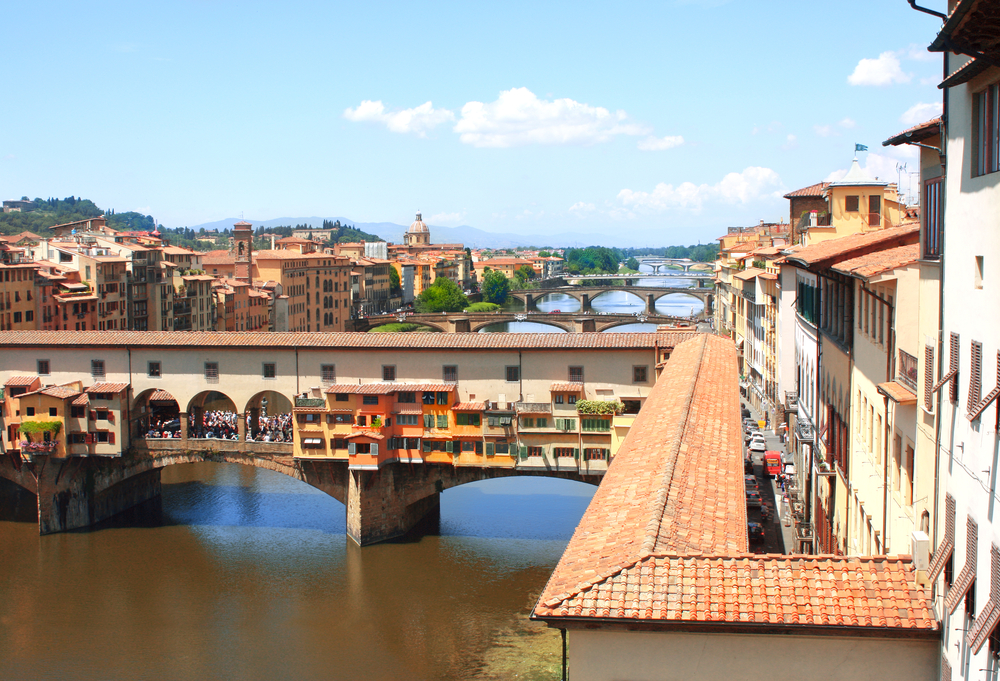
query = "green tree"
{"x": 443, "y": 295}
{"x": 544, "y": 254}
{"x": 632, "y": 264}
{"x": 495, "y": 287}
{"x": 394, "y": 285}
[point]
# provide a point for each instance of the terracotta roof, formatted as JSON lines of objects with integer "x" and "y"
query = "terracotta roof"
{"x": 566, "y": 388}
{"x": 855, "y": 244}
{"x": 82, "y": 400}
{"x": 374, "y": 435}
{"x": 748, "y": 273}
{"x": 664, "y": 540}
{"x": 812, "y": 190}
{"x": 388, "y": 388}
{"x": 217, "y": 258}
{"x": 346, "y": 340}
{"x": 917, "y": 133}
{"x": 161, "y": 396}
{"x": 60, "y": 391}
{"x": 897, "y": 392}
{"x": 971, "y": 28}
{"x": 869, "y": 592}
{"x": 21, "y": 380}
{"x": 469, "y": 406}
{"x": 964, "y": 73}
{"x": 107, "y": 388}
{"x": 875, "y": 263}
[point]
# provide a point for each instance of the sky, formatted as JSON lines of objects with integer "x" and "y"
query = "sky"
{"x": 667, "y": 121}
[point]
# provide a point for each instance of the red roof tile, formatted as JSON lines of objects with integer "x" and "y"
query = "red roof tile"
{"x": 566, "y": 388}
{"x": 161, "y": 396}
{"x": 347, "y": 340}
{"x": 469, "y": 406}
{"x": 82, "y": 400}
{"x": 21, "y": 380}
{"x": 855, "y": 245}
{"x": 59, "y": 391}
{"x": 388, "y": 388}
{"x": 812, "y": 190}
{"x": 872, "y": 264}
{"x": 107, "y": 388}
{"x": 917, "y": 133}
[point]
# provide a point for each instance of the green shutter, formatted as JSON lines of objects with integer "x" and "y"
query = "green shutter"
{"x": 351, "y": 449}
{"x": 576, "y": 453}
{"x": 449, "y": 447}
{"x": 489, "y": 449}
{"x": 427, "y": 445}
{"x": 474, "y": 420}
{"x": 524, "y": 452}
{"x": 479, "y": 447}
{"x": 442, "y": 420}
{"x": 461, "y": 419}
{"x": 428, "y": 421}
{"x": 374, "y": 449}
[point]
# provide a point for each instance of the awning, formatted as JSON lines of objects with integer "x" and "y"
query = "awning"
{"x": 897, "y": 392}
{"x": 947, "y": 545}
{"x": 968, "y": 574}
{"x": 161, "y": 396}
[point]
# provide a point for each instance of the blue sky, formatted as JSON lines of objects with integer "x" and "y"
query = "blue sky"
{"x": 668, "y": 121}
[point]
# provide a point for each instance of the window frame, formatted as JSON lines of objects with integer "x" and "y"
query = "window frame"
{"x": 512, "y": 373}
{"x": 269, "y": 368}
{"x": 449, "y": 373}
{"x": 212, "y": 371}
{"x": 640, "y": 370}
{"x": 388, "y": 373}
{"x": 328, "y": 373}
{"x": 41, "y": 364}
{"x": 154, "y": 369}
{"x": 576, "y": 374}
{"x": 98, "y": 369}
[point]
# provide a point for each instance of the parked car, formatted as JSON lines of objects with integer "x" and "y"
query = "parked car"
{"x": 751, "y": 482}
{"x": 753, "y": 499}
{"x": 555, "y": 311}
{"x": 757, "y": 445}
{"x": 755, "y": 532}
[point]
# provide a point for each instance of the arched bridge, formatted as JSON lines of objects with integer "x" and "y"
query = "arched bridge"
{"x": 586, "y": 295}
{"x": 572, "y": 322}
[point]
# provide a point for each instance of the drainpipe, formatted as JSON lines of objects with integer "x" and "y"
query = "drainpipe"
{"x": 885, "y": 476}
{"x": 564, "y": 677}
{"x": 913, "y": 4}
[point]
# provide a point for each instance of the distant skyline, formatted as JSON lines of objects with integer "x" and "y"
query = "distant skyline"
{"x": 669, "y": 120}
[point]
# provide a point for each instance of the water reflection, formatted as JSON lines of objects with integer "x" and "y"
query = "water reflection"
{"x": 248, "y": 574}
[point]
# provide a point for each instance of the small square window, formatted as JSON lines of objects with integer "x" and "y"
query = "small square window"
{"x": 212, "y": 371}
{"x": 513, "y": 374}
{"x": 576, "y": 374}
{"x": 77, "y": 412}
{"x": 43, "y": 367}
{"x": 328, "y": 373}
{"x": 53, "y": 411}
{"x": 29, "y": 411}
{"x": 559, "y": 399}
{"x": 388, "y": 372}
{"x": 852, "y": 204}
{"x": 572, "y": 399}
{"x": 153, "y": 370}
{"x": 97, "y": 368}
{"x": 369, "y": 399}
{"x": 343, "y": 397}
{"x": 640, "y": 374}
{"x": 450, "y": 373}
{"x": 270, "y": 370}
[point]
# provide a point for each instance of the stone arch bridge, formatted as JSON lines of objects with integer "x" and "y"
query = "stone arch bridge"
{"x": 572, "y": 322}
{"x": 587, "y": 294}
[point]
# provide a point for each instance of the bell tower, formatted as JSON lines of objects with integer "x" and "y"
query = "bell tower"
{"x": 243, "y": 251}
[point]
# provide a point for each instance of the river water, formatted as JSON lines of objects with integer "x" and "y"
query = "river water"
{"x": 617, "y": 302}
{"x": 248, "y": 574}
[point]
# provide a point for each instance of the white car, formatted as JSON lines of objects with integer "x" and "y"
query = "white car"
{"x": 757, "y": 444}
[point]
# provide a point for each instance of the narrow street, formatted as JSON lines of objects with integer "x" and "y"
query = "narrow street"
{"x": 778, "y": 538}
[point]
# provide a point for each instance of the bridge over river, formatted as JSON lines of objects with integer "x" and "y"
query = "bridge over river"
{"x": 587, "y": 294}
{"x": 573, "y": 322}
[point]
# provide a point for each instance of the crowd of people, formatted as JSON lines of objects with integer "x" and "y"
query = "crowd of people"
{"x": 276, "y": 428}
{"x": 222, "y": 425}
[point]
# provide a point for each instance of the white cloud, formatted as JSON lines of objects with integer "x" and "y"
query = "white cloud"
{"x": 580, "y": 208}
{"x": 824, "y": 130}
{"x": 518, "y": 117}
{"x": 417, "y": 120}
{"x": 885, "y": 70}
{"x": 920, "y": 112}
{"x": 751, "y": 184}
{"x": 791, "y": 142}
{"x": 847, "y": 123}
{"x": 660, "y": 143}
{"x": 447, "y": 218}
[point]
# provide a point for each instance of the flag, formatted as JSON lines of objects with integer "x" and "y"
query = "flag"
{"x": 860, "y": 147}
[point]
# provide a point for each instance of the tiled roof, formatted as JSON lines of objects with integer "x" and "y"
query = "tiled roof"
{"x": 469, "y": 406}
{"x": 812, "y": 190}
{"x": 107, "y": 388}
{"x": 917, "y": 133}
{"x": 81, "y": 401}
{"x": 60, "y": 391}
{"x": 20, "y": 380}
{"x": 217, "y": 258}
{"x": 856, "y": 244}
{"x": 875, "y": 263}
{"x": 566, "y": 388}
{"x": 964, "y": 73}
{"x": 373, "y": 434}
{"x": 346, "y": 340}
{"x": 869, "y": 592}
{"x": 664, "y": 540}
{"x": 748, "y": 273}
{"x": 897, "y": 392}
{"x": 161, "y": 396}
{"x": 388, "y": 388}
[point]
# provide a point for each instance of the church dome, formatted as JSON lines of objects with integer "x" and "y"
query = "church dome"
{"x": 418, "y": 226}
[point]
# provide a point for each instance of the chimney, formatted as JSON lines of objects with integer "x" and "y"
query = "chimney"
{"x": 272, "y": 241}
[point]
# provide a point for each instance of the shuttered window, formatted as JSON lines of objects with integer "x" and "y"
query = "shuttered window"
{"x": 328, "y": 374}
{"x": 975, "y": 376}
{"x": 929, "y": 377}
{"x": 450, "y": 372}
{"x": 442, "y": 420}
{"x": 428, "y": 421}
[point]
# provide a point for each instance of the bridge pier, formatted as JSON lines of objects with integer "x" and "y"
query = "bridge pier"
{"x": 389, "y": 502}
{"x": 650, "y": 304}
{"x": 461, "y": 325}
{"x": 529, "y": 302}
{"x": 584, "y": 302}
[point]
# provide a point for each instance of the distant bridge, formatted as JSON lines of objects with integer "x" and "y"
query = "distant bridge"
{"x": 628, "y": 276}
{"x": 587, "y": 294}
{"x": 573, "y": 322}
{"x": 657, "y": 262}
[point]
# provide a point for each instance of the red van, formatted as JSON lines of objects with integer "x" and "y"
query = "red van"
{"x": 772, "y": 463}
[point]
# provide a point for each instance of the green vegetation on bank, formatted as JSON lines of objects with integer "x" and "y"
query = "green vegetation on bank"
{"x": 443, "y": 295}
{"x": 495, "y": 287}
{"x": 482, "y": 307}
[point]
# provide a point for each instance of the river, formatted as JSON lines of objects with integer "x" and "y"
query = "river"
{"x": 617, "y": 302}
{"x": 248, "y": 574}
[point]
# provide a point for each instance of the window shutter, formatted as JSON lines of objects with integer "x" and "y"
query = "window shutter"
{"x": 449, "y": 447}
{"x": 111, "y": 416}
{"x": 474, "y": 420}
{"x": 576, "y": 453}
{"x": 111, "y": 437}
{"x": 374, "y": 448}
{"x": 607, "y": 455}
{"x": 489, "y": 449}
{"x": 93, "y": 416}
{"x": 442, "y": 420}
{"x": 333, "y": 443}
{"x": 975, "y": 376}
{"x": 523, "y": 451}
{"x": 427, "y": 446}
{"x": 928, "y": 377}
{"x": 953, "y": 364}
{"x": 479, "y": 447}
{"x": 461, "y": 419}
{"x": 351, "y": 449}
{"x": 428, "y": 421}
